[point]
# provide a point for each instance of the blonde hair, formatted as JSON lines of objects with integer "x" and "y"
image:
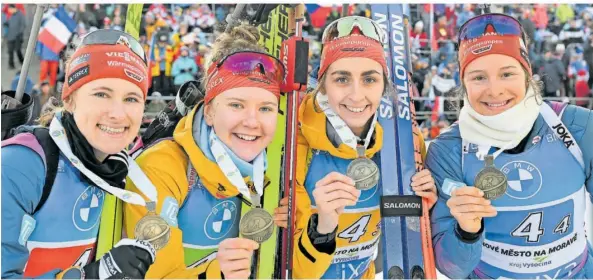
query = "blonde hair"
{"x": 243, "y": 37}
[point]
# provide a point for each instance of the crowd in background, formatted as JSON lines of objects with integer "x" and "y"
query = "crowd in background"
{"x": 177, "y": 37}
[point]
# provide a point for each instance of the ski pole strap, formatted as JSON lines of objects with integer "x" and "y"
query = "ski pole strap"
{"x": 401, "y": 205}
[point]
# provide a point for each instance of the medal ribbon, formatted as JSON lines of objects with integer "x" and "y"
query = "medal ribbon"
{"x": 553, "y": 120}
{"x": 58, "y": 134}
{"x": 232, "y": 173}
{"x": 345, "y": 133}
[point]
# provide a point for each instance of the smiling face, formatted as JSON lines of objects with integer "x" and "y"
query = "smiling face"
{"x": 244, "y": 119}
{"x": 494, "y": 83}
{"x": 108, "y": 113}
{"x": 354, "y": 87}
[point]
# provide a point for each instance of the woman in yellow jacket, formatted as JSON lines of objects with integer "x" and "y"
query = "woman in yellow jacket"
{"x": 338, "y": 124}
{"x": 214, "y": 162}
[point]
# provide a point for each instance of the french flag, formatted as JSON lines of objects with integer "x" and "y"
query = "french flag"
{"x": 56, "y": 31}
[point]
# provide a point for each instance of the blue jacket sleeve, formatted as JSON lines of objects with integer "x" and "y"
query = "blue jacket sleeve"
{"x": 455, "y": 257}
{"x": 23, "y": 176}
{"x": 579, "y": 122}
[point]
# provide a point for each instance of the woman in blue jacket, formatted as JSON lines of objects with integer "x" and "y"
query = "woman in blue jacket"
{"x": 53, "y": 232}
{"x": 514, "y": 173}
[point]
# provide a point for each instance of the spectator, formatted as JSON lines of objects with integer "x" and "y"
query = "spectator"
{"x": 333, "y": 15}
{"x": 574, "y": 34}
{"x": 177, "y": 38}
{"x": 49, "y": 64}
{"x": 157, "y": 104}
{"x": 588, "y": 57}
{"x": 582, "y": 87}
{"x": 528, "y": 24}
{"x": 15, "y": 29}
{"x": 541, "y": 16}
{"x": 552, "y": 74}
{"x": 117, "y": 24}
{"x": 564, "y": 13}
{"x": 418, "y": 36}
{"x": 443, "y": 33}
{"x": 184, "y": 68}
{"x": 466, "y": 14}
{"x": 85, "y": 16}
{"x": 152, "y": 24}
{"x": 162, "y": 55}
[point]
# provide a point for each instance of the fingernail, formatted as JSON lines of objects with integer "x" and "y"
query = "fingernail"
{"x": 481, "y": 193}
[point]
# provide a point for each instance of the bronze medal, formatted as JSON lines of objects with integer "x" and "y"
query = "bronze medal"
{"x": 153, "y": 228}
{"x": 257, "y": 225}
{"x": 491, "y": 180}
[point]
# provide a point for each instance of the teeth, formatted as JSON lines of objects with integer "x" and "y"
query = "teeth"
{"x": 354, "y": 109}
{"x": 246, "y": 137}
{"x": 111, "y": 130}
{"x": 497, "y": 104}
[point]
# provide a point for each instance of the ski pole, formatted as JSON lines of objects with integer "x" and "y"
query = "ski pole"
{"x": 20, "y": 89}
{"x": 345, "y": 10}
{"x": 233, "y": 19}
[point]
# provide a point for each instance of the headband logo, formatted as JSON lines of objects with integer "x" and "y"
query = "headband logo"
{"x": 123, "y": 41}
{"x": 79, "y": 60}
{"x": 214, "y": 83}
{"x": 78, "y": 74}
{"x": 482, "y": 49}
{"x": 134, "y": 76}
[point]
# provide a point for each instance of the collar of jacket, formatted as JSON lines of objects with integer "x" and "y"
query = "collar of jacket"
{"x": 313, "y": 126}
{"x": 208, "y": 171}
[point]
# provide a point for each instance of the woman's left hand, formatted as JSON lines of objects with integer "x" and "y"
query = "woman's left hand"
{"x": 423, "y": 185}
{"x": 281, "y": 213}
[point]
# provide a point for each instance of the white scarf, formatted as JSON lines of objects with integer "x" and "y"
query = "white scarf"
{"x": 505, "y": 130}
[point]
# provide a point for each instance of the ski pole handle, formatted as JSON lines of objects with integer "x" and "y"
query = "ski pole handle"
{"x": 233, "y": 19}
{"x": 345, "y": 10}
{"x": 20, "y": 88}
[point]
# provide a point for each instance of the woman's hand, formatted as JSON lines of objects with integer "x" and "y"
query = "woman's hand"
{"x": 332, "y": 194}
{"x": 423, "y": 186}
{"x": 468, "y": 206}
{"x": 234, "y": 257}
{"x": 281, "y": 213}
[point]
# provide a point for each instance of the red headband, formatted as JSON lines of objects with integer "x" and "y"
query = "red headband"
{"x": 222, "y": 80}
{"x": 105, "y": 61}
{"x": 510, "y": 45}
{"x": 352, "y": 46}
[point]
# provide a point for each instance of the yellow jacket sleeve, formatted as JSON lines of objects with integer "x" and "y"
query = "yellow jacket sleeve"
{"x": 307, "y": 261}
{"x": 165, "y": 165}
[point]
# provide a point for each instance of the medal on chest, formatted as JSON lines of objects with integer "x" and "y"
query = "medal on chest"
{"x": 490, "y": 180}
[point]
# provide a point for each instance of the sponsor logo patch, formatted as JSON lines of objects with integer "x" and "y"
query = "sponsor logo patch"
{"x": 78, "y": 74}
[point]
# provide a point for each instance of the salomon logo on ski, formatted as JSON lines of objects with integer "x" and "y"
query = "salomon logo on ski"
{"x": 407, "y": 205}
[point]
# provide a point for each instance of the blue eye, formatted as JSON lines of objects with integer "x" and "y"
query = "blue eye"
{"x": 369, "y": 80}
{"x": 341, "y": 80}
{"x": 100, "y": 94}
{"x": 132, "y": 99}
{"x": 236, "y": 105}
{"x": 267, "y": 109}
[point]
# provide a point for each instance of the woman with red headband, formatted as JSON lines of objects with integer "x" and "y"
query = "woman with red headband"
{"x": 514, "y": 173}
{"x": 339, "y": 134}
{"x": 55, "y": 177}
{"x": 214, "y": 164}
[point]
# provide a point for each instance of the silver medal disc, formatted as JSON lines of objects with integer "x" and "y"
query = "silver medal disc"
{"x": 490, "y": 180}
{"x": 364, "y": 172}
{"x": 257, "y": 225}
